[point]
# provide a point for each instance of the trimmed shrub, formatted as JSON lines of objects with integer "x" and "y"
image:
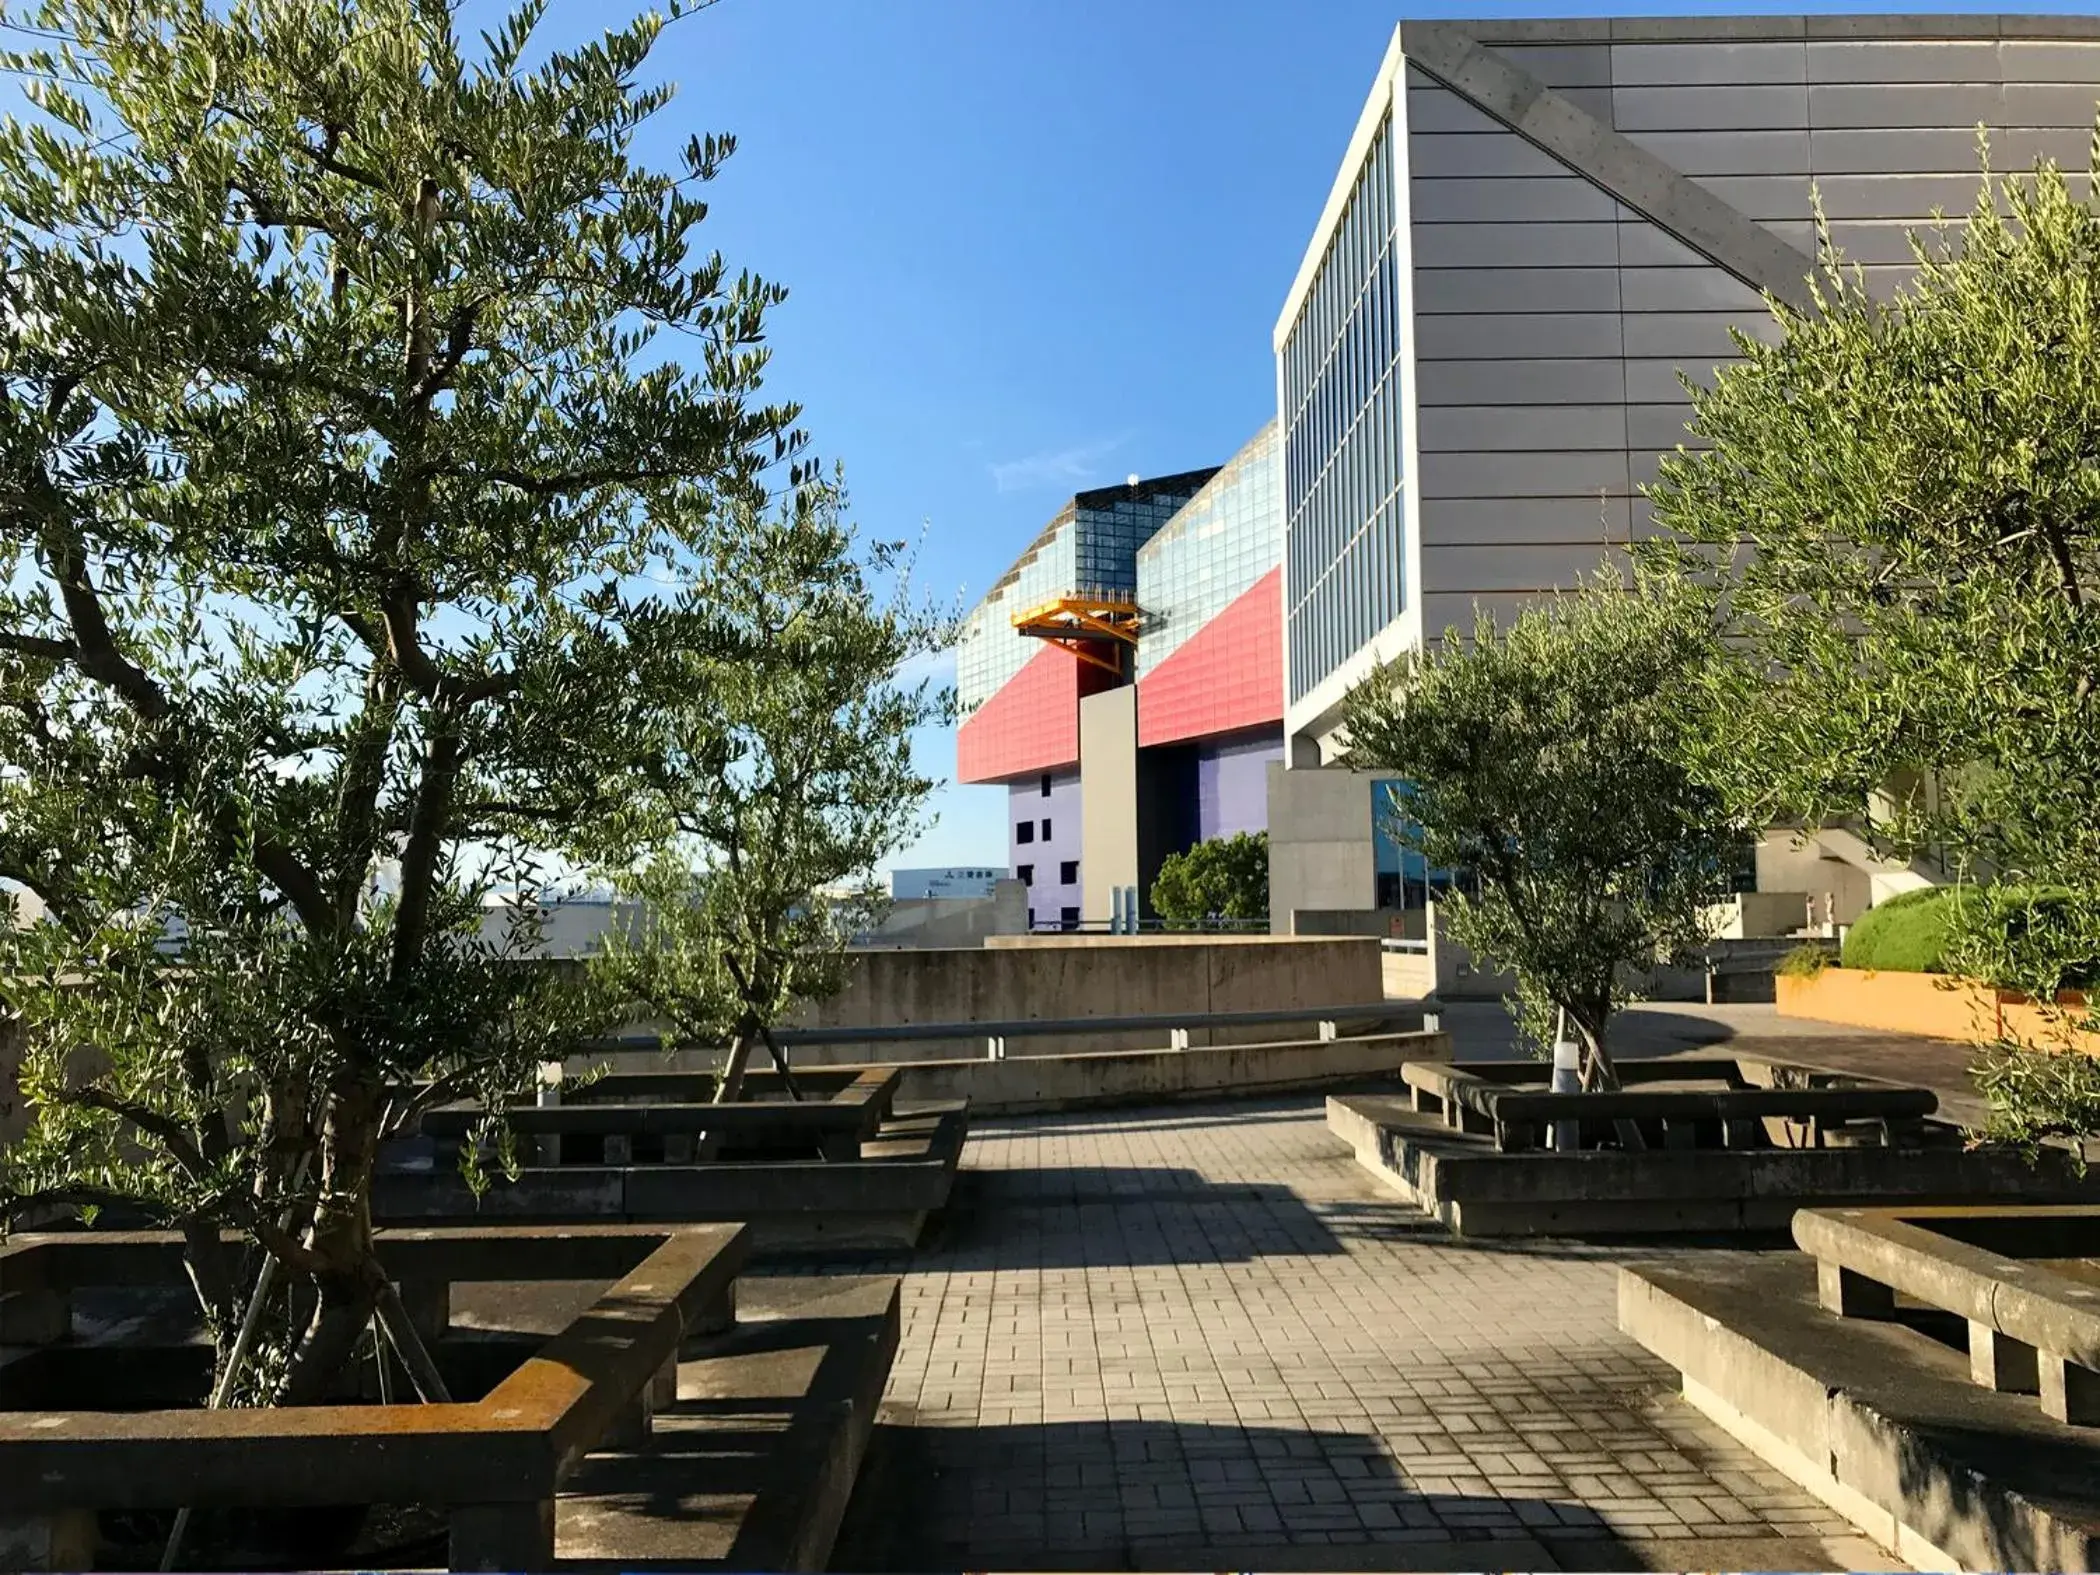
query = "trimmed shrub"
{"x": 1906, "y": 934}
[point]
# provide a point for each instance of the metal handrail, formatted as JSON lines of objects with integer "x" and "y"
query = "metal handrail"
{"x": 1024, "y": 1028}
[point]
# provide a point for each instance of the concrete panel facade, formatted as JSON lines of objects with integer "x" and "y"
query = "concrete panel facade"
{"x": 1579, "y": 198}
{"x": 1321, "y": 850}
{"x": 1109, "y": 836}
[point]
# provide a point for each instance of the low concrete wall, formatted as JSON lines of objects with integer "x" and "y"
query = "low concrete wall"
{"x": 1023, "y": 1084}
{"x": 1016, "y": 978}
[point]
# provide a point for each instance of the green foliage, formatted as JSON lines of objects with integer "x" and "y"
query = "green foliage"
{"x": 344, "y": 467}
{"x": 776, "y": 754}
{"x": 2035, "y": 1096}
{"x": 1803, "y": 962}
{"x": 1902, "y": 499}
{"x": 1226, "y": 878}
{"x": 1907, "y": 933}
{"x": 1545, "y": 758}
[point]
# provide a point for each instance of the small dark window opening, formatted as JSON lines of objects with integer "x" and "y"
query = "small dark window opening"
{"x": 1024, "y": 831}
{"x": 1068, "y": 872}
{"x": 1026, "y": 873}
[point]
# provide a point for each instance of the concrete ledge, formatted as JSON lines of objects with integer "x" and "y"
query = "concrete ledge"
{"x": 752, "y": 1467}
{"x": 1879, "y": 1419}
{"x": 1023, "y": 1085}
{"x": 880, "y": 1200}
{"x": 1472, "y": 1189}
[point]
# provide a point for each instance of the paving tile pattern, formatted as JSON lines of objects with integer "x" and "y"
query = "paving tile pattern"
{"x": 1193, "y": 1332}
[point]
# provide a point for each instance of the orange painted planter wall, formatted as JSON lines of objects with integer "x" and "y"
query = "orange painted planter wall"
{"x": 1897, "y": 1003}
{"x": 1935, "y": 1006}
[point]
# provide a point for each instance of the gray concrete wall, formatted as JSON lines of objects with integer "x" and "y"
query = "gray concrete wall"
{"x": 1093, "y": 976}
{"x": 1108, "y": 786}
{"x": 1321, "y": 855}
{"x": 953, "y": 921}
{"x": 1551, "y": 318}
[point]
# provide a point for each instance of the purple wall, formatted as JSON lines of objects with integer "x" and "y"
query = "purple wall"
{"x": 1232, "y": 782}
{"x": 1048, "y": 895}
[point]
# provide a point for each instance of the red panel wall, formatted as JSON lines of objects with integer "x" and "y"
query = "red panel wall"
{"x": 1031, "y": 723}
{"x": 1227, "y": 675}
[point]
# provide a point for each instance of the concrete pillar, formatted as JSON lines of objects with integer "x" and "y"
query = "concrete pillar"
{"x": 1851, "y": 1295}
{"x": 1998, "y": 1361}
{"x": 512, "y": 1537}
{"x": 2070, "y": 1393}
{"x": 717, "y": 1318}
{"x": 619, "y": 1149}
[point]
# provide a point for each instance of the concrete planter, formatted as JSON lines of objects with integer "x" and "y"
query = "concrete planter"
{"x": 75, "y": 1440}
{"x": 1935, "y": 1006}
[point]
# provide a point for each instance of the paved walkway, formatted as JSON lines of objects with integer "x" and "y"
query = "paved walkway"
{"x": 1203, "y": 1337}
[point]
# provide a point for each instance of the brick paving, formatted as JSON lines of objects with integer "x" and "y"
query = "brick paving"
{"x": 1201, "y": 1336}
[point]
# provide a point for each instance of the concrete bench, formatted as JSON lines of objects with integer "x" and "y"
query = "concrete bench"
{"x": 902, "y": 1174}
{"x": 835, "y": 1126}
{"x": 1512, "y": 1101}
{"x": 2021, "y": 1276}
{"x": 496, "y": 1465}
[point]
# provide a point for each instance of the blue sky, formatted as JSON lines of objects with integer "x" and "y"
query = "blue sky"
{"x": 1032, "y": 245}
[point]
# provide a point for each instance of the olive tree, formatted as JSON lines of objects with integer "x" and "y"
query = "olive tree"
{"x": 777, "y": 773}
{"x": 1546, "y": 761}
{"x": 1901, "y": 496}
{"x": 362, "y": 391}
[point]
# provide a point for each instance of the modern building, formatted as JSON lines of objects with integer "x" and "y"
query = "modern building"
{"x": 1124, "y": 681}
{"x": 1536, "y": 226}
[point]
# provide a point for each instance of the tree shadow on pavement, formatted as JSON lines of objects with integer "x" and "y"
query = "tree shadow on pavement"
{"x": 1140, "y": 1495}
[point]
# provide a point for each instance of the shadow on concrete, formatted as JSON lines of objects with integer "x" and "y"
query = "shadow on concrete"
{"x": 1135, "y": 1495}
{"x": 1120, "y": 1217}
{"x": 1210, "y": 1111}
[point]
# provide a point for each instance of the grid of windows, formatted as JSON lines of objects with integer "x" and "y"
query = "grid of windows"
{"x": 988, "y": 652}
{"x": 1224, "y": 539}
{"x": 1344, "y": 532}
{"x": 1091, "y": 545}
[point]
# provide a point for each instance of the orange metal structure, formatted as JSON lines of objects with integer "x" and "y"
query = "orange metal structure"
{"x": 1095, "y": 626}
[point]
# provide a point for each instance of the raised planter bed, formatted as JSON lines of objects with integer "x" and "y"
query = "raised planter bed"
{"x": 1693, "y": 1144}
{"x": 1684, "y": 1102}
{"x": 1934, "y": 1006}
{"x": 667, "y": 1116}
{"x": 1929, "y": 1371}
{"x": 596, "y": 1386}
{"x": 901, "y": 1176}
{"x": 2024, "y": 1281}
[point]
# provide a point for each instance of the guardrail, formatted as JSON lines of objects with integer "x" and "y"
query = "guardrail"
{"x": 1176, "y": 1025}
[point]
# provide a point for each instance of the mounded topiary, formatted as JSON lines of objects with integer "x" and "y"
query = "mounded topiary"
{"x": 1906, "y": 934}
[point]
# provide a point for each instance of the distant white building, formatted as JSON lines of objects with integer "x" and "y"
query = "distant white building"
{"x": 952, "y": 881}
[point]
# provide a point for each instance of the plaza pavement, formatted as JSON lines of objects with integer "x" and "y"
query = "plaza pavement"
{"x": 1201, "y": 1337}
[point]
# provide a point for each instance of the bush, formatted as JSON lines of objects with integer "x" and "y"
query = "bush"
{"x": 1804, "y": 961}
{"x": 1906, "y": 934}
{"x": 2011, "y": 936}
{"x": 1226, "y": 878}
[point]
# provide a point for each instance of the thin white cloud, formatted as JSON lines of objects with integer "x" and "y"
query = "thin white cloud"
{"x": 1065, "y": 468}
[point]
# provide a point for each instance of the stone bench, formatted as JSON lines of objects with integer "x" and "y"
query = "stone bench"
{"x": 1513, "y": 1102}
{"x": 495, "y": 1465}
{"x": 834, "y": 1126}
{"x": 2022, "y": 1277}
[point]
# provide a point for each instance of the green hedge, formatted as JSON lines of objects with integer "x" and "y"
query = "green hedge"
{"x": 1913, "y": 932}
{"x": 1906, "y": 934}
